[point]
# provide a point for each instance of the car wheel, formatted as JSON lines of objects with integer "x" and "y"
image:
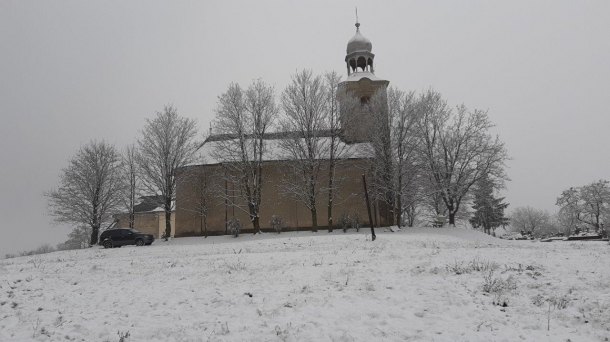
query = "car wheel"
{"x": 139, "y": 242}
{"x": 107, "y": 244}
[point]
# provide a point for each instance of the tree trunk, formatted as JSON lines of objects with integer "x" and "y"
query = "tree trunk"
{"x": 331, "y": 178}
{"x": 314, "y": 219}
{"x": 410, "y": 215}
{"x": 256, "y": 224}
{"x": 168, "y": 224}
{"x": 205, "y": 226}
{"x": 330, "y": 199}
{"x": 390, "y": 214}
{"x": 330, "y": 217}
{"x": 226, "y": 205}
{"x": 253, "y": 213}
{"x": 398, "y": 210}
{"x": 132, "y": 200}
{"x": 94, "y": 234}
{"x": 330, "y": 207}
{"x": 452, "y": 218}
{"x": 95, "y": 226}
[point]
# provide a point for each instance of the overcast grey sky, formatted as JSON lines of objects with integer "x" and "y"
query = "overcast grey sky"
{"x": 71, "y": 71}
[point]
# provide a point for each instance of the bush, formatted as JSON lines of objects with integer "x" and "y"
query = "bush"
{"x": 277, "y": 223}
{"x": 554, "y": 302}
{"x": 498, "y": 286}
{"x": 123, "y": 336}
{"x": 234, "y": 227}
{"x": 475, "y": 265}
{"x": 458, "y": 267}
{"x": 349, "y": 221}
{"x": 43, "y": 249}
{"x": 344, "y": 221}
{"x": 355, "y": 222}
{"x": 483, "y": 265}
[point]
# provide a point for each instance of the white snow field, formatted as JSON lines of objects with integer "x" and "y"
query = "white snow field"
{"x": 413, "y": 285}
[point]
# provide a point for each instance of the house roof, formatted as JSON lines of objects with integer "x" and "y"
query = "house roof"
{"x": 149, "y": 204}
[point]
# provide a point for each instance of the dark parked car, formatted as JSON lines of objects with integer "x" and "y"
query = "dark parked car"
{"x": 124, "y": 236}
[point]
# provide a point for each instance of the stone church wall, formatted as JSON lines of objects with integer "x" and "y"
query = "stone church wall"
{"x": 349, "y": 199}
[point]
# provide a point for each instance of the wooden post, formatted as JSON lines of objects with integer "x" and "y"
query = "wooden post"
{"x": 368, "y": 207}
{"x": 376, "y": 214}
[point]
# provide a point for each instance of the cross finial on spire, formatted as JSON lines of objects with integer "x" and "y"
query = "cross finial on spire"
{"x": 357, "y": 23}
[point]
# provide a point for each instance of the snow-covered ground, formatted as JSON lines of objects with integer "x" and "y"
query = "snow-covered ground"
{"x": 414, "y": 285}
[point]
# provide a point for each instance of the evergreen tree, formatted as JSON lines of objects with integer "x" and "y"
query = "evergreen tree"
{"x": 488, "y": 210}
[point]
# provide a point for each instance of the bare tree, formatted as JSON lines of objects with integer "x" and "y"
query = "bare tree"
{"x": 244, "y": 117}
{"x": 89, "y": 192}
{"x": 570, "y": 209}
{"x": 337, "y": 150}
{"x": 588, "y": 204}
{"x": 396, "y": 170}
{"x": 529, "y": 220}
{"x": 383, "y": 166}
{"x": 411, "y": 209}
{"x": 404, "y": 142}
{"x": 434, "y": 201}
{"x": 131, "y": 178}
{"x": 167, "y": 143}
{"x": 304, "y": 104}
{"x": 457, "y": 149}
{"x": 596, "y": 202}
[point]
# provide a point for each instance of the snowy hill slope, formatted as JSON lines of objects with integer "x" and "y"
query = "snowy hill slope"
{"x": 420, "y": 284}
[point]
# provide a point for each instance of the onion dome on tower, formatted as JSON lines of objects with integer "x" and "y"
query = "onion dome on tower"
{"x": 359, "y": 57}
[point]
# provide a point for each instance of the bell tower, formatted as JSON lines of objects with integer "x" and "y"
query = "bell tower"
{"x": 361, "y": 85}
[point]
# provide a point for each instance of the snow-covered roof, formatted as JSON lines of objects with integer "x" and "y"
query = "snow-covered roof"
{"x": 357, "y": 76}
{"x": 150, "y": 204}
{"x": 209, "y": 154}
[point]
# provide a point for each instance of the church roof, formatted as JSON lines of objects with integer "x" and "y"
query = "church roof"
{"x": 274, "y": 151}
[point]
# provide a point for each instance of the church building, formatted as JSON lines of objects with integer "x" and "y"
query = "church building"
{"x": 362, "y": 83}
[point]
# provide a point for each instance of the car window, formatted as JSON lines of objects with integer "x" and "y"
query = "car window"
{"x": 127, "y": 232}
{"x": 135, "y": 231}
